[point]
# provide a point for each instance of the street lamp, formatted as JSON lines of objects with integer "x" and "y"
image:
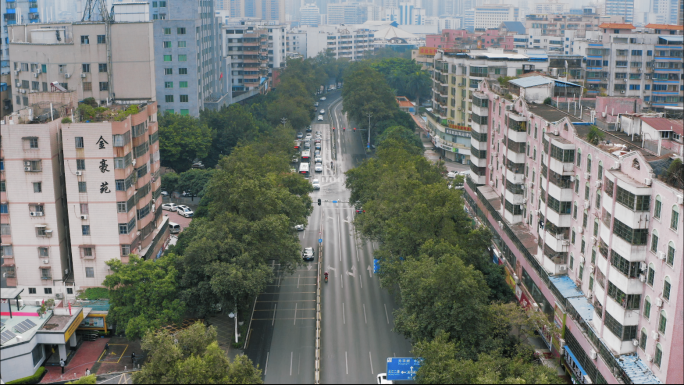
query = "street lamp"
{"x": 369, "y": 128}
{"x": 283, "y": 120}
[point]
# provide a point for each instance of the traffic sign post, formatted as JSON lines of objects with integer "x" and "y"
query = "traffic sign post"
{"x": 320, "y": 240}
{"x": 403, "y": 368}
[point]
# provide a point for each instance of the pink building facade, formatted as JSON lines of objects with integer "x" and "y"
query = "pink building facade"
{"x": 589, "y": 235}
{"x": 461, "y": 39}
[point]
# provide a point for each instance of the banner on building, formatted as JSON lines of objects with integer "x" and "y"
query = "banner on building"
{"x": 430, "y": 51}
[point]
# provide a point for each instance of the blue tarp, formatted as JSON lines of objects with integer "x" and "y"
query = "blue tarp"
{"x": 636, "y": 370}
{"x": 566, "y": 286}
{"x": 582, "y": 307}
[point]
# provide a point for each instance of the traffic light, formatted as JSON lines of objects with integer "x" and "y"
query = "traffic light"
{"x": 319, "y": 202}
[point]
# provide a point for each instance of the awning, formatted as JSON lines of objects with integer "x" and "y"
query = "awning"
{"x": 574, "y": 360}
{"x": 45, "y": 267}
{"x": 672, "y": 38}
{"x": 41, "y": 226}
{"x": 562, "y": 83}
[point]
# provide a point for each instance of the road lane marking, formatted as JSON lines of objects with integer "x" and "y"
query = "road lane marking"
{"x": 346, "y": 362}
{"x": 291, "y": 355}
{"x": 295, "y": 315}
{"x": 298, "y": 277}
{"x": 266, "y": 368}
{"x": 364, "y": 313}
{"x": 339, "y": 233}
{"x": 341, "y": 280}
{"x": 386, "y": 313}
{"x": 275, "y": 306}
{"x": 343, "y": 318}
{"x": 371, "y": 362}
{"x": 370, "y": 274}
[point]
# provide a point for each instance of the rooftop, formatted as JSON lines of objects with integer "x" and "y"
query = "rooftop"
{"x": 515, "y": 26}
{"x": 664, "y": 124}
{"x": 617, "y": 26}
{"x": 667, "y": 27}
{"x": 531, "y": 81}
{"x": 404, "y": 102}
{"x": 23, "y": 325}
{"x": 550, "y": 113}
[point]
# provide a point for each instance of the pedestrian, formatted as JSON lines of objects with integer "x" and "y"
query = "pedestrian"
{"x": 107, "y": 347}
{"x": 87, "y": 372}
{"x": 62, "y": 364}
{"x": 133, "y": 357}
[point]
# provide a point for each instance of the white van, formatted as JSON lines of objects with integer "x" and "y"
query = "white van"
{"x": 174, "y": 228}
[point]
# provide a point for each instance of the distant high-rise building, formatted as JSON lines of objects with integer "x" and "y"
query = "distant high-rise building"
{"x": 237, "y": 8}
{"x": 410, "y": 13}
{"x": 344, "y": 13}
{"x": 624, "y": 8}
{"x": 309, "y": 14}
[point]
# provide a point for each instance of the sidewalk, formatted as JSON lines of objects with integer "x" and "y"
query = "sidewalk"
{"x": 225, "y": 329}
{"x": 432, "y": 154}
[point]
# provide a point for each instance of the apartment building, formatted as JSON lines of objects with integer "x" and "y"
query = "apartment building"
{"x": 339, "y": 41}
{"x": 591, "y": 235}
{"x": 491, "y": 16}
{"x": 623, "y": 62}
{"x": 75, "y": 195}
{"x": 343, "y": 13}
{"x": 255, "y": 48}
{"x": 310, "y": 15}
{"x": 456, "y": 75}
{"x": 556, "y": 25}
{"x": 188, "y": 58}
{"x": 74, "y": 56}
{"x": 22, "y": 11}
{"x": 624, "y": 8}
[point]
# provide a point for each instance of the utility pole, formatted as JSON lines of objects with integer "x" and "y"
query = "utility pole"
{"x": 369, "y": 128}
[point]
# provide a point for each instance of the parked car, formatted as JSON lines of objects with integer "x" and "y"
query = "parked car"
{"x": 318, "y": 145}
{"x": 452, "y": 174}
{"x": 316, "y": 184}
{"x": 316, "y": 104}
{"x": 320, "y": 118}
{"x": 165, "y": 193}
{"x": 295, "y": 159}
{"x": 174, "y": 228}
{"x": 170, "y": 207}
{"x": 185, "y": 211}
{"x": 308, "y": 254}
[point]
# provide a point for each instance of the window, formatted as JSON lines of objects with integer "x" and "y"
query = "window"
{"x": 47, "y": 290}
{"x": 166, "y": 44}
{"x": 125, "y": 250}
{"x": 167, "y": 31}
{"x": 32, "y": 142}
{"x": 184, "y": 112}
{"x": 651, "y": 274}
{"x": 634, "y": 87}
{"x": 82, "y": 187}
{"x": 168, "y": 84}
{"x": 102, "y": 67}
{"x": 182, "y": 57}
{"x": 101, "y": 39}
{"x": 168, "y": 58}
{"x": 90, "y": 272}
{"x": 32, "y": 290}
{"x": 37, "y": 187}
{"x": 674, "y": 223}
{"x": 5, "y": 229}
{"x": 647, "y": 87}
{"x": 184, "y": 98}
{"x": 670, "y": 253}
{"x": 183, "y": 84}
{"x": 35, "y": 86}
{"x": 3, "y": 187}
{"x": 3, "y": 208}
{"x": 104, "y": 86}
{"x": 6, "y": 250}
{"x": 78, "y": 141}
{"x": 662, "y": 322}
{"x": 84, "y": 208}
{"x": 180, "y": 31}
{"x": 182, "y": 71}
{"x": 643, "y": 339}
{"x": 598, "y": 199}
{"x": 168, "y": 71}
{"x": 87, "y": 86}
{"x": 43, "y": 252}
{"x": 80, "y": 164}
{"x": 85, "y": 67}
{"x": 168, "y": 98}
{"x": 654, "y": 241}
{"x": 658, "y": 355}
{"x": 85, "y": 39}
{"x": 85, "y": 229}
{"x": 181, "y": 44}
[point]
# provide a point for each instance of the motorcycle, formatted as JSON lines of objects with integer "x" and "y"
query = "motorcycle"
{"x": 326, "y": 277}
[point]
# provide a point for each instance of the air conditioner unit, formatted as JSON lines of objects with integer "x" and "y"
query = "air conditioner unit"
{"x": 635, "y": 342}
{"x": 587, "y": 176}
{"x": 594, "y": 241}
{"x": 625, "y": 81}
{"x": 79, "y": 173}
{"x": 616, "y": 166}
{"x": 648, "y": 181}
{"x": 598, "y": 184}
{"x": 572, "y": 178}
{"x": 581, "y": 259}
{"x": 500, "y": 223}
{"x": 562, "y": 268}
{"x": 16, "y": 72}
{"x": 593, "y": 354}
{"x": 556, "y": 133}
{"x": 509, "y": 107}
{"x": 659, "y": 302}
{"x": 83, "y": 75}
{"x": 661, "y": 255}
{"x": 84, "y": 217}
{"x": 48, "y": 233}
{"x": 22, "y": 91}
{"x": 491, "y": 167}
{"x": 27, "y": 168}
{"x": 581, "y": 230}
{"x": 69, "y": 75}
{"x": 643, "y": 266}
{"x": 39, "y": 302}
{"x": 59, "y": 295}
{"x": 591, "y": 270}
{"x": 35, "y": 74}
{"x": 642, "y": 278}
{"x": 680, "y": 199}
{"x": 459, "y": 109}
{"x": 46, "y": 261}
{"x": 648, "y": 357}
{"x": 622, "y": 92}
{"x": 133, "y": 162}
{"x": 587, "y": 204}
{"x": 154, "y": 208}
{"x": 655, "y": 335}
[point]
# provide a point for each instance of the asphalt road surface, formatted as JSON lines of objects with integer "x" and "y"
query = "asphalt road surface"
{"x": 357, "y": 320}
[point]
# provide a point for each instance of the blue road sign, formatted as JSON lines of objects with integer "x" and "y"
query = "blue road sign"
{"x": 320, "y": 240}
{"x": 334, "y": 201}
{"x": 403, "y": 368}
{"x": 376, "y": 266}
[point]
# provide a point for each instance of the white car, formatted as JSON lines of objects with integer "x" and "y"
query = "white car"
{"x": 299, "y": 227}
{"x": 452, "y": 174}
{"x": 185, "y": 211}
{"x": 318, "y": 159}
{"x": 170, "y": 207}
{"x": 322, "y": 97}
{"x": 316, "y": 184}
{"x": 322, "y": 111}
{"x": 307, "y": 137}
{"x": 382, "y": 379}
{"x": 320, "y": 118}
{"x": 319, "y": 168}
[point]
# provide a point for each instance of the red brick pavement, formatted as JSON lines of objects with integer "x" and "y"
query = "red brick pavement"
{"x": 174, "y": 217}
{"x": 86, "y": 356}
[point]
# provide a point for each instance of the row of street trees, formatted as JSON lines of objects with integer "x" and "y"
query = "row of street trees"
{"x": 456, "y": 307}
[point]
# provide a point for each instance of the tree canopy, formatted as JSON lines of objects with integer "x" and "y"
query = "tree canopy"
{"x": 182, "y": 139}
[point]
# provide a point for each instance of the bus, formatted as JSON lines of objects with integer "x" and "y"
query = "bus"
{"x": 304, "y": 169}
{"x": 306, "y": 156}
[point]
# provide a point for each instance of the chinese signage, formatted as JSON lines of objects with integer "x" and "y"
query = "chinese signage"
{"x": 459, "y": 127}
{"x": 456, "y": 132}
{"x": 104, "y": 167}
{"x": 93, "y": 322}
{"x": 431, "y": 51}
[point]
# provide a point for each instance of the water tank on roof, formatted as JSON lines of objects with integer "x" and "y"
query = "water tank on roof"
{"x": 47, "y": 36}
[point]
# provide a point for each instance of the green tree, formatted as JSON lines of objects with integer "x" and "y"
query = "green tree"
{"x": 194, "y": 181}
{"x": 192, "y": 356}
{"x": 169, "y": 182}
{"x": 366, "y": 92}
{"x": 675, "y": 173}
{"x": 419, "y": 85}
{"x": 397, "y": 136}
{"x": 230, "y": 125}
{"x": 182, "y": 139}
{"x": 91, "y": 379}
{"x": 144, "y": 295}
{"x": 595, "y": 135}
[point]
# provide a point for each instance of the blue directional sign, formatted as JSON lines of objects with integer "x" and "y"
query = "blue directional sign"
{"x": 334, "y": 201}
{"x": 320, "y": 240}
{"x": 376, "y": 266}
{"x": 403, "y": 368}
